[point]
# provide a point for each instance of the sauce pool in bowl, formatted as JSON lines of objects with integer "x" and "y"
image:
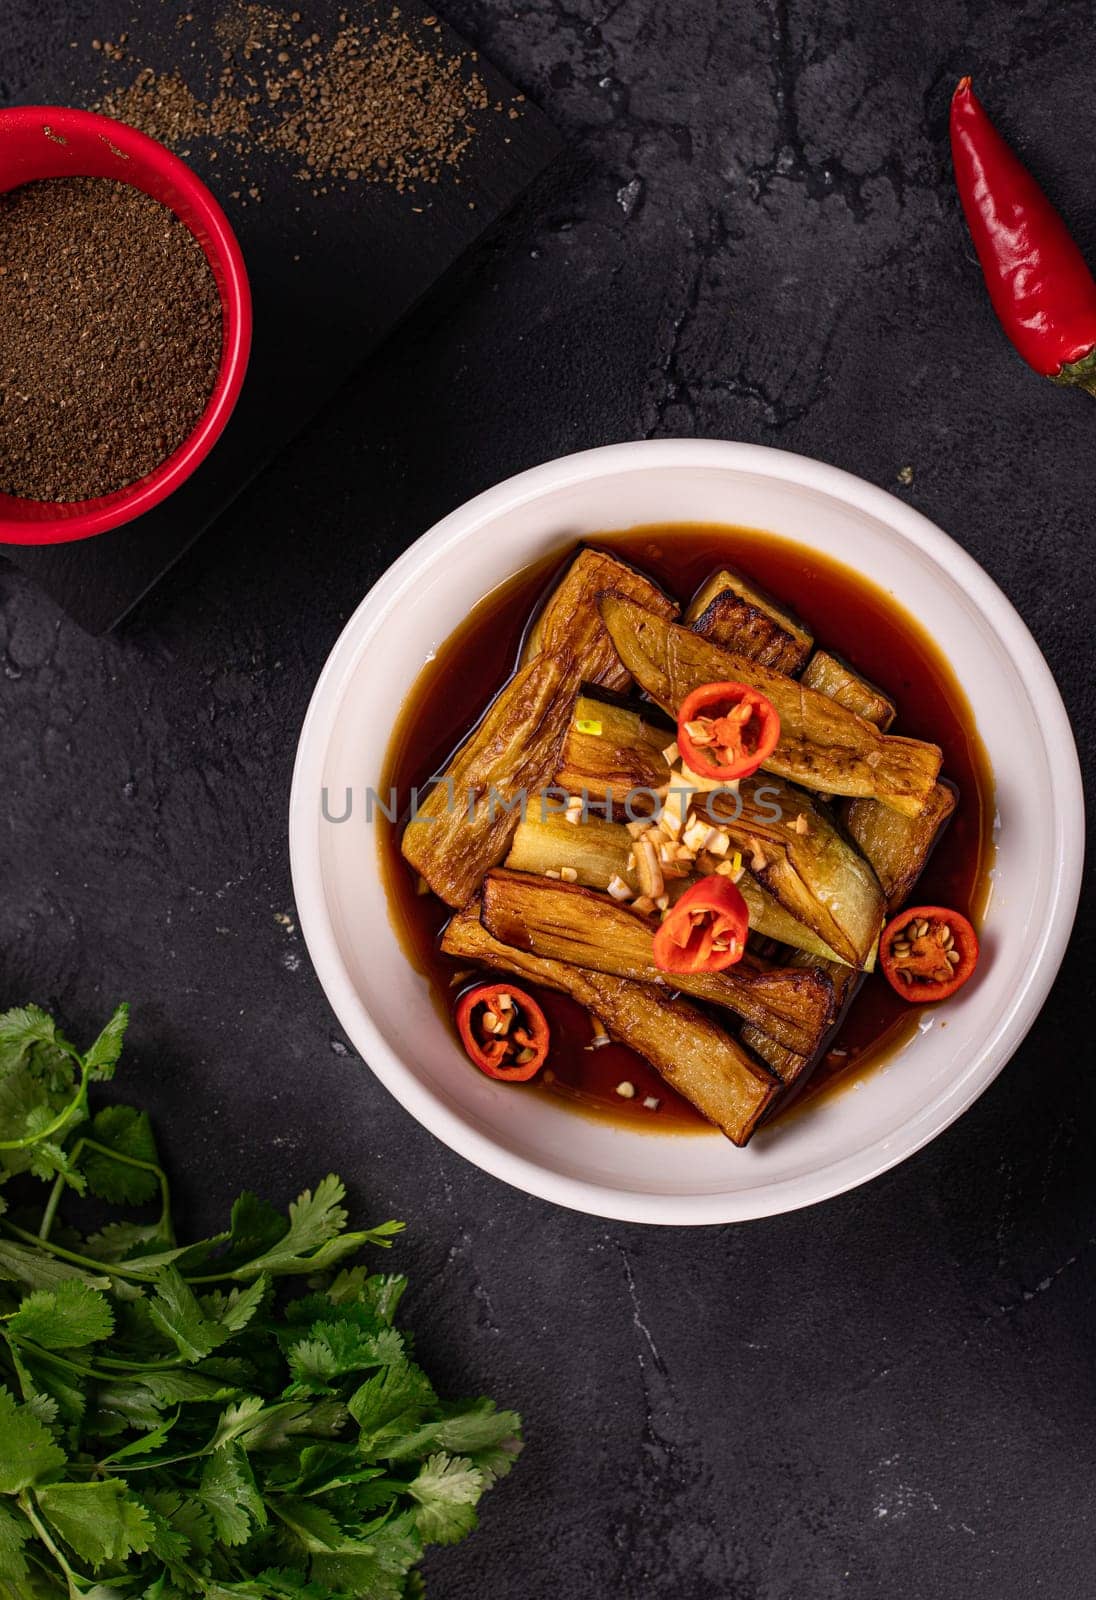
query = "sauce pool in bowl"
{"x": 849, "y": 616}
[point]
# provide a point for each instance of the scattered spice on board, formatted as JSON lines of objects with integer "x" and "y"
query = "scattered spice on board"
{"x": 112, "y": 337}
{"x": 371, "y": 101}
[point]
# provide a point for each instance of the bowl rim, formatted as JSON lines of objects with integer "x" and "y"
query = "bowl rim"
{"x": 852, "y": 1169}
{"x": 112, "y": 511}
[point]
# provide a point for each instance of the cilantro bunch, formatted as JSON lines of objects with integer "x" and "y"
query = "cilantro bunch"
{"x": 171, "y": 1425}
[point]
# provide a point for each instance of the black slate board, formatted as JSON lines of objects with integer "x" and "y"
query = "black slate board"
{"x": 331, "y": 274}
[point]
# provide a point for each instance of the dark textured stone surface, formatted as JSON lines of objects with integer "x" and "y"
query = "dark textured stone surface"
{"x": 890, "y": 1395}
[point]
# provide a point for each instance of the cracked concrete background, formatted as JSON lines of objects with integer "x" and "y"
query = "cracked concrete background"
{"x": 755, "y": 237}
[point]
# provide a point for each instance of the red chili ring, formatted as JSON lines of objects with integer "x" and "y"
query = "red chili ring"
{"x": 926, "y": 957}
{"x": 709, "y": 915}
{"x": 733, "y": 712}
{"x": 496, "y": 1051}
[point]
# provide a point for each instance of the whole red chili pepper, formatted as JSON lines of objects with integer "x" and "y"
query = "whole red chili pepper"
{"x": 1041, "y": 288}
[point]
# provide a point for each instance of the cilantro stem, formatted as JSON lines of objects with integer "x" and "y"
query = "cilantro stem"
{"x": 50, "y": 1212}
{"x": 74, "y": 1578}
{"x": 52, "y": 1356}
{"x": 166, "y": 1225}
{"x": 79, "y": 1099}
{"x": 88, "y": 1263}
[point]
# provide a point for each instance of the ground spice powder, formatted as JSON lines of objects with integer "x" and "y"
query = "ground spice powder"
{"x": 379, "y": 100}
{"x": 110, "y": 337}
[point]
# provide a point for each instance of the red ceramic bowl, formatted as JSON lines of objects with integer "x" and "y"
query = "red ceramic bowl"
{"x": 52, "y": 142}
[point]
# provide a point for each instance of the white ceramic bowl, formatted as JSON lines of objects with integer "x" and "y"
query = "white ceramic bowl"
{"x": 383, "y": 1004}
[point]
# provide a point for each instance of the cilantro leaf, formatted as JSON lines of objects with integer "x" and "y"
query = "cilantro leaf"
{"x": 128, "y": 1131}
{"x": 124, "y": 1403}
{"x": 491, "y": 1438}
{"x": 390, "y": 1402}
{"x": 23, "y": 1097}
{"x": 186, "y": 1517}
{"x": 119, "y": 1241}
{"x": 314, "y": 1220}
{"x": 446, "y": 1489}
{"x": 28, "y": 1451}
{"x": 146, "y": 1445}
{"x": 100, "y": 1521}
{"x": 15, "y": 1531}
{"x": 376, "y": 1568}
{"x": 177, "y": 1313}
{"x": 173, "y": 1388}
{"x": 21, "y": 1028}
{"x": 21, "y": 1264}
{"x": 292, "y": 1585}
{"x": 273, "y": 1426}
{"x": 235, "y": 1310}
{"x": 48, "y": 1159}
{"x": 229, "y": 1493}
{"x": 182, "y": 1432}
{"x": 254, "y": 1228}
{"x": 236, "y": 1419}
{"x": 334, "y": 1349}
{"x": 73, "y": 1314}
{"x": 103, "y": 1055}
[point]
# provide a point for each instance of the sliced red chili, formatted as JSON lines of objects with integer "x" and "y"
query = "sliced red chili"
{"x": 928, "y": 952}
{"x": 726, "y": 730}
{"x": 503, "y": 1030}
{"x": 705, "y": 931}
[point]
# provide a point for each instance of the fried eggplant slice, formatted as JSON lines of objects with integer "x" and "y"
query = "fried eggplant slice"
{"x": 465, "y": 824}
{"x": 565, "y": 922}
{"x": 598, "y": 852}
{"x": 794, "y": 851}
{"x": 729, "y": 582}
{"x": 831, "y": 677}
{"x": 613, "y": 752}
{"x": 898, "y": 847}
{"x": 822, "y": 746}
{"x": 734, "y": 613}
{"x": 690, "y": 1051}
{"x": 736, "y": 625}
{"x": 790, "y": 1067}
{"x": 571, "y": 623}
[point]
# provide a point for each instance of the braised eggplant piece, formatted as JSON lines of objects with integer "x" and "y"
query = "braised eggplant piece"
{"x": 734, "y": 623}
{"x": 794, "y": 851}
{"x": 570, "y": 621}
{"x": 465, "y": 824}
{"x": 600, "y": 853}
{"x": 831, "y": 677}
{"x": 790, "y": 1067}
{"x": 596, "y": 851}
{"x": 733, "y": 612}
{"x": 613, "y": 752}
{"x": 566, "y": 922}
{"x": 822, "y": 746}
{"x": 694, "y": 1055}
{"x": 898, "y": 847}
